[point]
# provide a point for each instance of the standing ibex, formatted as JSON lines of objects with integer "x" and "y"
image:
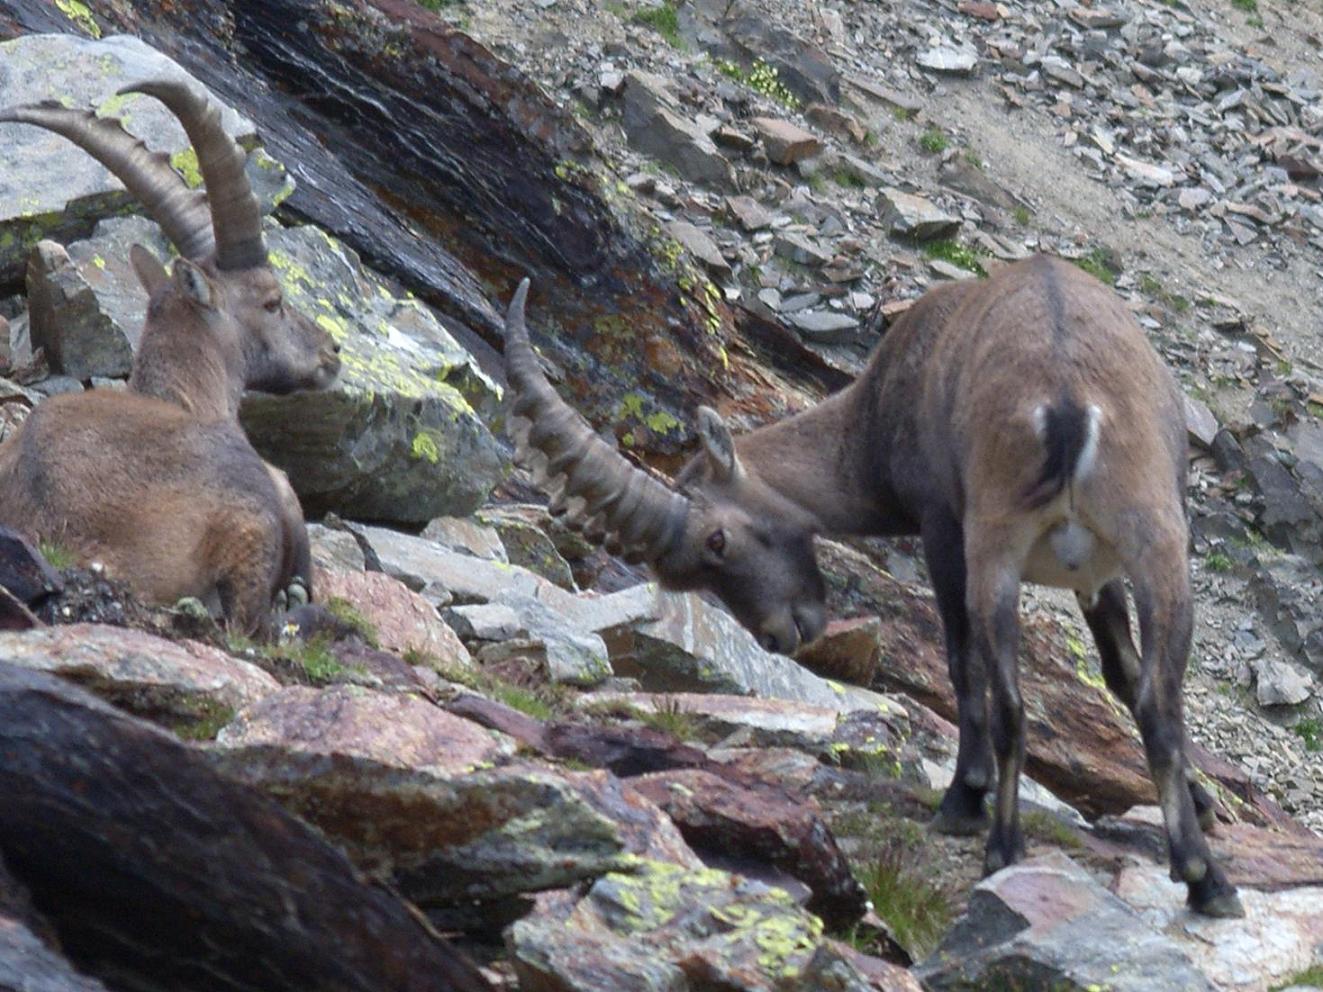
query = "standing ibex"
{"x": 1026, "y": 429}
{"x": 159, "y": 483}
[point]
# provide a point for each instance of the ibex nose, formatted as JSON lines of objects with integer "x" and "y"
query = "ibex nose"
{"x": 335, "y": 348}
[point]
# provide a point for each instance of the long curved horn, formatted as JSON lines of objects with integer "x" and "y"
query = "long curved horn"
{"x": 235, "y": 213}
{"x": 181, "y": 212}
{"x": 591, "y": 484}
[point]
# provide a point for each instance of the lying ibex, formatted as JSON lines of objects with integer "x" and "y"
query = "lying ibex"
{"x": 1026, "y": 429}
{"x": 159, "y": 483}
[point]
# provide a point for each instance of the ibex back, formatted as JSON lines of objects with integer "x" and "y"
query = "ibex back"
{"x": 1026, "y": 429}
{"x": 159, "y": 483}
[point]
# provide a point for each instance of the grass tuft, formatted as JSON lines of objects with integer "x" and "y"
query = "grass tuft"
{"x": 957, "y": 254}
{"x": 1310, "y": 730}
{"x": 933, "y": 141}
{"x": 57, "y": 556}
{"x": 904, "y": 895}
{"x": 1310, "y": 978}
{"x": 1217, "y": 561}
{"x": 664, "y": 20}
{"x": 1099, "y": 264}
{"x": 347, "y": 613}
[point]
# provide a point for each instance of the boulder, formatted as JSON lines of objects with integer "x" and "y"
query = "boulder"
{"x": 401, "y": 620}
{"x": 785, "y": 143}
{"x": 49, "y": 189}
{"x": 762, "y": 825}
{"x": 913, "y": 215}
{"x": 184, "y": 685}
{"x": 524, "y": 533}
{"x": 67, "y": 322}
{"x": 468, "y": 535}
{"x": 398, "y": 437}
{"x": 664, "y": 928}
{"x": 119, "y": 831}
{"x": 29, "y": 964}
{"x": 23, "y": 570}
{"x": 408, "y": 789}
{"x": 701, "y": 246}
{"x": 804, "y": 69}
{"x": 1045, "y": 923}
{"x": 654, "y": 126}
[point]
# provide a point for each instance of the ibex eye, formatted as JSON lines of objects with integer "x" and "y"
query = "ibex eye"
{"x": 272, "y": 306}
{"x": 716, "y": 542}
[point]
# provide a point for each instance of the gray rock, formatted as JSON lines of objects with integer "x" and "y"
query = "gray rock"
{"x": 1045, "y": 923}
{"x": 748, "y": 213}
{"x": 802, "y": 67}
{"x": 522, "y": 531}
{"x": 1288, "y": 591}
{"x": 397, "y": 437}
{"x": 913, "y": 215}
{"x": 573, "y": 655}
{"x": 49, "y": 189}
{"x": 784, "y": 142}
{"x": 654, "y": 126}
{"x": 1281, "y": 683}
{"x": 467, "y": 536}
{"x": 67, "y": 322}
{"x": 698, "y": 244}
{"x": 336, "y": 550}
{"x": 485, "y": 622}
{"x": 1200, "y": 423}
{"x": 27, "y": 963}
{"x": 825, "y": 327}
{"x": 945, "y": 58}
{"x": 799, "y": 249}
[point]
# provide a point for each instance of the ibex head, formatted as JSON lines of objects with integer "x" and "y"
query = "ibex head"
{"x": 721, "y": 529}
{"x": 223, "y": 283}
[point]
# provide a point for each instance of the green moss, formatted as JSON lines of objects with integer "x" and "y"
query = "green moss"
{"x": 346, "y": 612}
{"x": 425, "y": 448}
{"x": 1101, "y": 264}
{"x": 209, "y": 719}
{"x": 1042, "y": 825}
{"x": 1248, "y": 6}
{"x": 113, "y": 106}
{"x": 1217, "y": 561}
{"x": 1022, "y": 216}
{"x": 1310, "y": 730}
{"x": 186, "y": 164}
{"x": 80, "y": 15}
{"x": 1311, "y": 977}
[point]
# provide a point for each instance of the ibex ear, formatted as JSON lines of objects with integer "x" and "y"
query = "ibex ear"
{"x": 150, "y": 272}
{"x": 193, "y": 284}
{"x": 718, "y": 444}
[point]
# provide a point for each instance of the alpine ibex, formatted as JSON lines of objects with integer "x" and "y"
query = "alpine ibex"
{"x": 1025, "y": 428}
{"x": 159, "y": 483}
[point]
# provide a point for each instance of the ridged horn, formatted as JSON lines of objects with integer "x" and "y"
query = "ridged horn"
{"x": 236, "y": 216}
{"x": 592, "y": 485}
{"x": 181, "y": 212}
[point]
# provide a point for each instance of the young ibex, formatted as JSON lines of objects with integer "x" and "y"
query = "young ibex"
{"x": 1026, "y": 429}
{"x": 159, "y": 483}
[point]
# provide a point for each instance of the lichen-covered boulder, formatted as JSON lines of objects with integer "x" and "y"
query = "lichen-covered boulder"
{"x": 49, "y": 189}
{"x": 397, "y": 437}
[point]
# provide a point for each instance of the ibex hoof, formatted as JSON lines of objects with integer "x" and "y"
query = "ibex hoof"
{"x": 958, "y": 825}
{"x": 1224, "y": 906}
{"x": 297, "y": 593}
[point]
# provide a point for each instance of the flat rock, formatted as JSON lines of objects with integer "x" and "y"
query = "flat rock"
{"x": 663, "y": 928}
{"x": 1146, "y": 173}
{"x": 335, "y": 550}
{"x": 945, "y": 58}
{"x": 485, "y": 622}
{"x": 914, "y": 215}
{"x": 848, "y": 650}
{"x": 760, "y": 825}
{"x": 1278, "y": 938}
{"x": 836, "y": 122}
{"x": 1279, "y": 683}
{"x": 467, "y": 535}
{"x": 693, "y": 646}
{"x": 655, "y": 127}
{"x": 1200, "y": 422}
{"x": 405, "y": 787}
{"x": 1045, "y": 923}
{"x": 784, "y": 142}
{"x": 28, "y": 964}
{"x": 800, "y": 249}
{"x": 403, "y": 621}
{"x": 748, "y": 213}
{"x": 50, "y": 189}
{"x": 826, "y": 327}
{"x": 523, "y": 532}
{"x": 570, "y": 654}
{"x": 698, "y": 244}
{"x": 182, "y": 684}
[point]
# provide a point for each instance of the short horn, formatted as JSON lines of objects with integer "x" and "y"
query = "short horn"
{"x": 236, "y": 215}
{"x": 590, "y": 482}
{"x": 181, "y": 212}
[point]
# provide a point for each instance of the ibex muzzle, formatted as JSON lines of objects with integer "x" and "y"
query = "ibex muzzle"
{"x": 1024, "y": 427}
{"x": 159, "y": 483}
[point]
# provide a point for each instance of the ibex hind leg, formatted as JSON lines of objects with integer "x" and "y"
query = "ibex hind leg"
{"x": 962, "y": 811}
{"x": 1109, "y": 622}
{"x": 248, "y": 565}
{"x": 1166, "y": 620}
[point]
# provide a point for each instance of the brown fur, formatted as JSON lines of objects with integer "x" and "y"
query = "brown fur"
{"x": 160, "y": 484}
{"x": 1026, "y": 429}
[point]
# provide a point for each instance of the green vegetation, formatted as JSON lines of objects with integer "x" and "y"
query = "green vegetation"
{"x": 1310, "y": 730}
{"x": 540, "y": 702}
{"x": 973, "y": 158}
{"x": 1154, "y": 288}
{"x": 904, "y": 895}
{"x": 669, "y": 716}
{"x": 1218, "y": 561}
{"x": 1042, "y": 825}
{"x": 664, "y": 20}
{"x": 1022, "y": 216}
{"x": 1311, "y": 977}
{"x": 347, "y": 613}
{"x": 1101, "y": 264}
{"x": 933, "y": 141}
{"x": 57, "y": 556}
{"x": 438, "y": 5}
{"x": 208, "y": 720}
{"x": 1248, "y": 6}
{"x": 314, "y": 657}
{"x": 957, "y": 254}
{"x": 761, "y": 78}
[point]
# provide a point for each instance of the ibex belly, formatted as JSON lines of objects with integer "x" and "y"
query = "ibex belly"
{"x": 1069, "y": 555}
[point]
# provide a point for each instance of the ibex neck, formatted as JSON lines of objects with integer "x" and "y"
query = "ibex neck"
{"x": 814, "y": 460}
{"x": 188, "y": 373}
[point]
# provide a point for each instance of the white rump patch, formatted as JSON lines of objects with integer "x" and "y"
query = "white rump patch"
{"x": 1089, "y": 453}
{"x": 1040, "y": 421}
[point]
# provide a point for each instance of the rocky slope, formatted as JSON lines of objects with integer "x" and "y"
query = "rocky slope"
{"x": 504, "y": 736}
